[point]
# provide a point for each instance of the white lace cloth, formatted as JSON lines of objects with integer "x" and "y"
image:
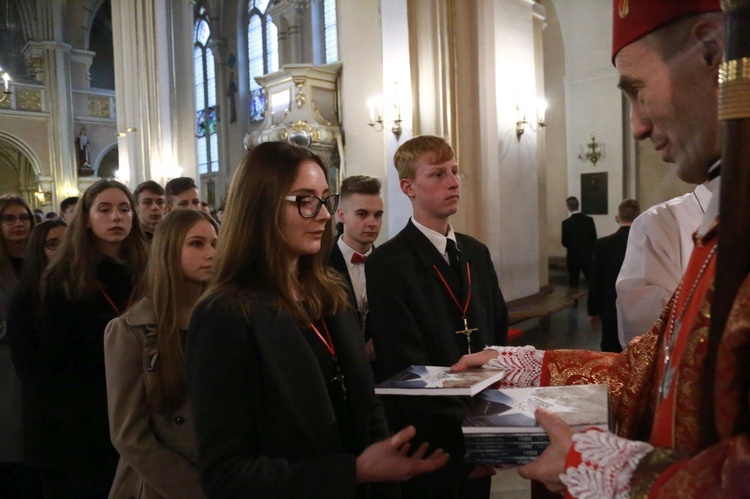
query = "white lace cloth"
{"x": 522, "y": 365}
{"x": 608, "y": 465}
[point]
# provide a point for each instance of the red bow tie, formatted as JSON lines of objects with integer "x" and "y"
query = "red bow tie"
{"x": 357, "y": 258}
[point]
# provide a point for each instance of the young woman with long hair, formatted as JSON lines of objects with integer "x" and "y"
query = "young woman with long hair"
{"x": 276, "y": 370}
{"x": 150, "y": 420}
{"x": 16, "y": 222}
{"x": 23, "y": 336}
{"x": 90, "y": 282}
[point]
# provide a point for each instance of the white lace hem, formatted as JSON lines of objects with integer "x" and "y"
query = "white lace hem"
{"x": 608, "y": 465}
{"x": 522, "y": 365}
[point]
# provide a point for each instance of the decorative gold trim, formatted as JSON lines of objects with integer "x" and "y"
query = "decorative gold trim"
{"x": 732, "y": 6}
{"x": 29, "y": 100}
{"x": 734, "y": 89}
{"x": 99, "y": 106}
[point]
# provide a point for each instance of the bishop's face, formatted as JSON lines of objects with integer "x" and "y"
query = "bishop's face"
{"x": 674, "y": 104}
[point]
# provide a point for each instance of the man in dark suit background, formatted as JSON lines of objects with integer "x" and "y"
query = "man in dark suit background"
{"x": 433, "y": 293}
{"x": 608, "y": 255}
{"x": 361, "y": 215}
{"x": 578, "y": 236}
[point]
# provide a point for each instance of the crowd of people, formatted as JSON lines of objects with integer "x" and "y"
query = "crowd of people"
{"x": 154, "y": 353}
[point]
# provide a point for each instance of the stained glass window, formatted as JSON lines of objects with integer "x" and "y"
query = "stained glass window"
{"x": 207, "y": 141}
{"x": 330, "y": 31}
{"x": 262, "y": 54}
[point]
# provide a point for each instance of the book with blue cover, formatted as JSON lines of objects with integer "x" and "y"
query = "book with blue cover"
{"x": 435, "y": 380}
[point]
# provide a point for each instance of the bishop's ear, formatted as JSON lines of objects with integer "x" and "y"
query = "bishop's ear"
{"x": 710, "y": 34}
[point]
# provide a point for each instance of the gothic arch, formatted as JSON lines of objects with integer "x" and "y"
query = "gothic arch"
{"x": 25, "y": 149}
{"x": 102, "y": 154}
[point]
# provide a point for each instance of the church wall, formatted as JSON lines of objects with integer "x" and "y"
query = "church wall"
{"x": 508, "y": 177}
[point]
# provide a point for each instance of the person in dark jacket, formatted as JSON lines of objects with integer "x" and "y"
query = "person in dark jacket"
{"x": 578, "y": 236}
{"x": 282, "y": 393}
{"x": 91, "y": 281}
{"x": 609, "y": 253}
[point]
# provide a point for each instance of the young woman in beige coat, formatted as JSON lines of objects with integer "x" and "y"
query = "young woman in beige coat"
{"x": 150, "y": 421}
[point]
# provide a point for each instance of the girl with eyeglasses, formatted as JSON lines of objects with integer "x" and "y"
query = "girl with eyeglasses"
{"x": 276, "y": 369}
{"x": 91, "y": 280}
{"x": 150, "y": 419}
{"x": 23, "y": 336}
{"x": 16, "y": 222}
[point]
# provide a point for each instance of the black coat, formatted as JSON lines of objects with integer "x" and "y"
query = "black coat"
{"x": 413, "y": 320}
{"x": 265, "y": 423}
{"x": 579, "y": 236}
{"x": 72, "y": 383}
{"x": 608, "y": 255}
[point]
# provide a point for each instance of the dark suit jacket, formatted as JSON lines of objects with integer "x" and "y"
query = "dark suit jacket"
{"x": 265, "y": 425}
{"x": 412, "y": 320}
{"x": 336, "y": 261}
{"x": 578, "y": 236}
{"x": 609, "y": 253}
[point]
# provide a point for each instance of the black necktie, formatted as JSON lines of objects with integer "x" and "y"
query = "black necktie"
{"x": 452, "y": 250}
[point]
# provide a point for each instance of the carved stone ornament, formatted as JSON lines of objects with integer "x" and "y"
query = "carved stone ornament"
{"x": 99, "y": 107}
{"x": 29, "y": 100}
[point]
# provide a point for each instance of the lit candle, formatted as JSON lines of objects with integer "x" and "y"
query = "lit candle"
{"x": 6, "y": 77}
{"x": 371, "y": 105}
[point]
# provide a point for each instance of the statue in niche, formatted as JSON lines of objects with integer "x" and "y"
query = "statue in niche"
{"x": 83, "y": 154}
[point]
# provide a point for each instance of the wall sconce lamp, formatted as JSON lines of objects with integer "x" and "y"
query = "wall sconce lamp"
{"x": 593, "y": 151}
{"x": 376, "y": 116}
{"x": 130, "y": 129}
{"x": 540, "y": 123}
{"x": 5, "y": 93}
{"x": 43, "y": 197}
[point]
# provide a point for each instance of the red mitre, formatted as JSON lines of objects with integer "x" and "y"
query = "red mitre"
{"x": 632, "y": 19}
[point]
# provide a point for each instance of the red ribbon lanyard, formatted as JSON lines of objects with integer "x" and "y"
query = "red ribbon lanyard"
{"x": 328, "y": 343}
{"x": 112, "y": 304}
{"x": 450, "y": 291}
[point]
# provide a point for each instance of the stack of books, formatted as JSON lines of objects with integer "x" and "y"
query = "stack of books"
{"x": 441, "y": 381}
{"x": 502, "y": 429}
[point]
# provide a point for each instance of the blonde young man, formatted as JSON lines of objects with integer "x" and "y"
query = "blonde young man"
{"x": 433, "y": 295}
{"x": 673, "y": 440}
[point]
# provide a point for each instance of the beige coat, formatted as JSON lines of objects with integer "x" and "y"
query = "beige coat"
{"x": 157, "y": 452}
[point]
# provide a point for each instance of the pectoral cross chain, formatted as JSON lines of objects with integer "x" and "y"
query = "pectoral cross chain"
{"x": 467, "y": 331}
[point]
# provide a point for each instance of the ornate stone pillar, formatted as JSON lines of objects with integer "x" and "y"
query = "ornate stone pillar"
{"x": 51, "y": 63}
{"x": 154, "y": 88}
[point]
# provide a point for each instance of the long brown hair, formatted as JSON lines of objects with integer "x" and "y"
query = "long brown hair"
{"x": 73, "y": 270}
{"x": 251, "y": 257}
{"x": 166, "y": 287}
{"x": 35, "y": 260}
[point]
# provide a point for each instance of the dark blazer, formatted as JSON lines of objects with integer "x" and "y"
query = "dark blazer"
{"x": 336, "y": 261}
{"x": 265, "y": 424}
{"x": 608, "y": 255}
{"x": 578, "y": 236}
{"x": 72, "y": 380}
{"x": 413, "y": 320}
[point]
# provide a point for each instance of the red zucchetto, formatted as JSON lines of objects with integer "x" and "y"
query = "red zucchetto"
{"x": 632, "y": 19}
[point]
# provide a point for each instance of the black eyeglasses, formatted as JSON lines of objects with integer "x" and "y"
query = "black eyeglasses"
{"x": 12, "y": 219}
{"x": 52, "y": 244}
{"x": 308, "y": 205}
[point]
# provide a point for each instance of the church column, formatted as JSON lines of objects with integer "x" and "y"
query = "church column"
{"x": 53, "y": 58}
{"x": 154, "y": 88}
{"x": 222, "y": 179}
